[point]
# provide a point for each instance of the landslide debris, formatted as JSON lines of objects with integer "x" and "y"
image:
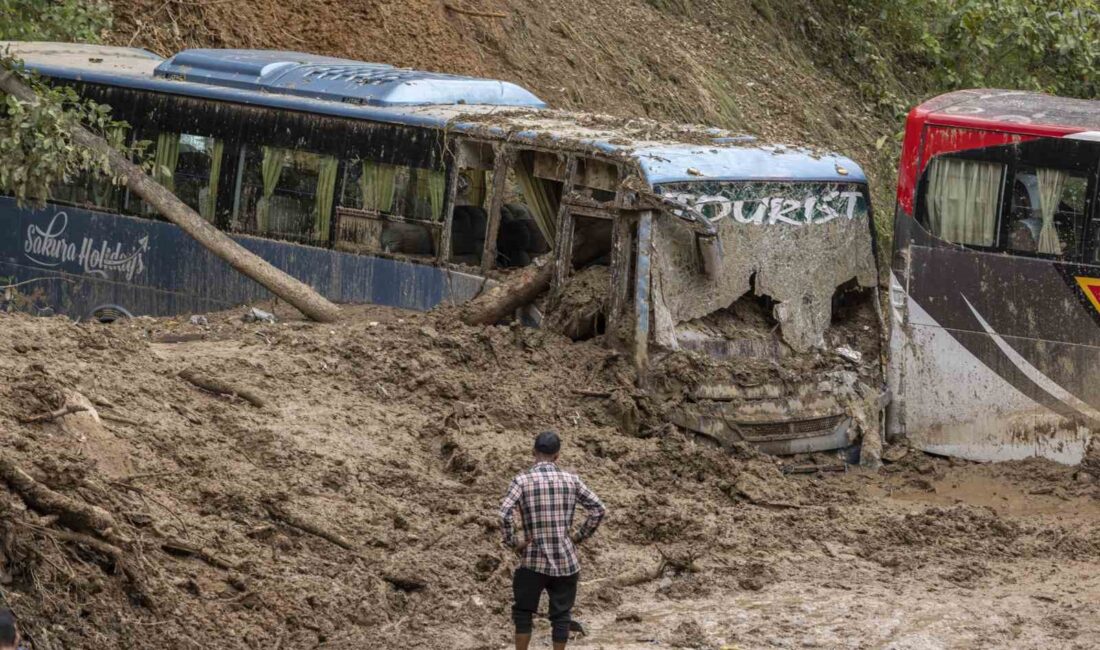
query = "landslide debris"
{"x": 354, "y": 507}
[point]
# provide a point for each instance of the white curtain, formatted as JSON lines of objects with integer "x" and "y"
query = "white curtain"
{"x": 1051, "y": 184}
{"x": 963, "y": 200}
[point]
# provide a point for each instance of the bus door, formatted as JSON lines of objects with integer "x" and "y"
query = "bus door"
{"x": 997, "y": 306}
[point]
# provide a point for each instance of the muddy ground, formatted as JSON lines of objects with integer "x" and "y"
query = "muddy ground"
{"x": 351, "y": 503}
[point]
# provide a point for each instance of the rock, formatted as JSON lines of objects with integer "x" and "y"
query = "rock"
{"x": 849, "y": 354}
{"x": 894, "y": 453}
{"x": 255, "y": 315}
{"x": 689, "y": 634}
{"x": 1084, "y": 477}
{"x": 199, "y": 320}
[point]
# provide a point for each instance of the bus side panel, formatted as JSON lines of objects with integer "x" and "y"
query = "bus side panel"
{"x": 1001, "y": 357}
{"x": 74, "y": 261}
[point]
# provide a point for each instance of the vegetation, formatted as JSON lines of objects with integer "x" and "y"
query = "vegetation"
{"x": 36, "y": 146}
{"x": 904, "y": 50}
{"x": 54, "y": 20}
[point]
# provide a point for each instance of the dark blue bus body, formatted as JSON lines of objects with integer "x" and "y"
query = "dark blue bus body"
{"x": 73, "y": 261}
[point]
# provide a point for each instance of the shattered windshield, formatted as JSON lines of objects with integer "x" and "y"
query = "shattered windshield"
{"x": 794, "y": 243}
{"x": 771, "y": 203}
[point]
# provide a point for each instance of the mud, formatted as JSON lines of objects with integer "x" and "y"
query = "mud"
{"x": 356, "y": 509}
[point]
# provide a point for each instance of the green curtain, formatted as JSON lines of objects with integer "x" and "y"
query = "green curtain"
{"x": 168, "y": 154}
{"x": 376, "y": 186}
{"x": 326, "y": 194}
{"x": 217, "y": 148}
{"x": 431, "y": 185}
{"x": 272, "y": 168}
{"x": 538, "y": 199}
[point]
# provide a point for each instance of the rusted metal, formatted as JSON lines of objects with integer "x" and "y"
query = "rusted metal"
{"x": 502, "y": 162}
{"x": 443, "y": 253}
{"x": 564, "y": 246}
{"x": 642, "y": 281}
{"x": 622, "y": 243}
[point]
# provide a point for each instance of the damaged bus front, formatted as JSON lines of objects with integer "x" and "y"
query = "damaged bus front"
{"x": 764, "y": 279}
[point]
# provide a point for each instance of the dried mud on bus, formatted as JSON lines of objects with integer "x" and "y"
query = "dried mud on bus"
{"x": 995, "y": 275}
{"x": 739, "y": 277}
{"x": 770, "y": 334}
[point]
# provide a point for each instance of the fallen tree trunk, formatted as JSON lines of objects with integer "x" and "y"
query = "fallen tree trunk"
{"x": 522, "y": 288}
{"x": 298, "y": 294}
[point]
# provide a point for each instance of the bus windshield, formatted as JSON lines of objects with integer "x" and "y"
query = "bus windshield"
{"x": 794, "y": 242}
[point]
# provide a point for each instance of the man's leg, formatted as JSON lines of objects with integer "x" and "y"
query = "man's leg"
{"x": 527, "y": 586}
{"x": 563, "y": 591}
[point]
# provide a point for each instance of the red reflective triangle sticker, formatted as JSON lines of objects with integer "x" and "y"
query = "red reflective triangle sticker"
{"x": 1091, "y": 287}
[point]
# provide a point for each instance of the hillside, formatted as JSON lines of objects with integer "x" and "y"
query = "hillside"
{"x": 736, "y": 64}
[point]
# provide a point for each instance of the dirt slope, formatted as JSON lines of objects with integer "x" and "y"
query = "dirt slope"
{"x": 355, "y": 508}
{"x": 728, "y": 63}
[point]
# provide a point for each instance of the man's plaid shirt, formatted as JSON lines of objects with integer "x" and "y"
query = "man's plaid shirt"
{"x": 547, "y": 498}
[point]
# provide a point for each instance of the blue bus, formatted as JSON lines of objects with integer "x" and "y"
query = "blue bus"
{"x": 375, "y": 184}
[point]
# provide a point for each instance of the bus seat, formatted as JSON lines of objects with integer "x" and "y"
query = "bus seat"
{"x": 408, "y": 238}
{"x": 468, "y": 231}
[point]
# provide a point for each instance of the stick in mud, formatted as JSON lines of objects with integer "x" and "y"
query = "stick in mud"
{"x": 215, "y": 385}
{"x": 74, "y": 514}
{"x": 53, "y": 415}
{"x": 305, "y": 525}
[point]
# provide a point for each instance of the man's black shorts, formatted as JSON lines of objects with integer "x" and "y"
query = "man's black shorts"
{"x": 527, "y": 588}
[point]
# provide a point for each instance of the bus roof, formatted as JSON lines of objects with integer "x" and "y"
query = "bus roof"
{"x": 471, "y": 105}
{"x": 1016, "y": 111}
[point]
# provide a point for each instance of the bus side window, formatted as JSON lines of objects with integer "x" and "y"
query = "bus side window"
{"x": 963, "y": 199}
{"x": 285, "y": 194}
{"x": 529, "y": 214}
{"x": 390, "y": 209}
{"x": 1046, "y": 212}
{"x": 91, "y": 189}
{"x": 189, "y": 166}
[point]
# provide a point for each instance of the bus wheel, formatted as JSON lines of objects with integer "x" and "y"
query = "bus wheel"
{"x": 110, "y": 313}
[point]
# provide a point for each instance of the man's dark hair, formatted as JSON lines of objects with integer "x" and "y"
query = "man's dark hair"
{"x": 547, "y": 443}
{"x": 7, "y": 627}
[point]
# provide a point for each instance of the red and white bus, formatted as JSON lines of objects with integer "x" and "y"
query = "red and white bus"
{"x": 995, "y": 287}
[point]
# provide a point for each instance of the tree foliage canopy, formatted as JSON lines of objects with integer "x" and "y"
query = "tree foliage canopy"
{"x": 905, "y": 50}
{"x": 54, "y": 20}
{"x": 36, "y": 148}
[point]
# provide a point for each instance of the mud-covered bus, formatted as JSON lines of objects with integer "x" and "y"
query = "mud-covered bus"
{"x": 995, "y": 287}
{"x": 375, "y": 184}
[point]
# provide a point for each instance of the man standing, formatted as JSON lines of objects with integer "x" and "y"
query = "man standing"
{"x": 547, "y": 498}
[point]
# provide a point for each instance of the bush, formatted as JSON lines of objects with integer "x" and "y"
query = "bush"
{"x": 905, "y": 50}
{"x": 54, "y": 20}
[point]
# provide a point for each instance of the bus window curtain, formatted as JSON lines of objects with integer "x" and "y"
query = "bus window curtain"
{"x": 166, "y": 158}
{"x": 431, "y": 185}
{"x": 217, "y": 148}
{"x": 538, "y": 200}
{"x": 271, "y": 169}
{"x": 376, "y": 186}
{"x": 326, "y": 194}
{"x": 963, "y": 200}
{"x": 1051, "y": 184}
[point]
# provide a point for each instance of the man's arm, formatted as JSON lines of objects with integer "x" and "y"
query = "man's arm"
{"x": 595, "y": 509}
{"x": 507, "y": 509}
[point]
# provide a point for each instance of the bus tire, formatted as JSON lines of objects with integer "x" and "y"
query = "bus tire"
{"x": 109, "y": 313}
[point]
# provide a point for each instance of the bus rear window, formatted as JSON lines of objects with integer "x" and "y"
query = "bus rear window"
{"x": 962, "y": 200}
